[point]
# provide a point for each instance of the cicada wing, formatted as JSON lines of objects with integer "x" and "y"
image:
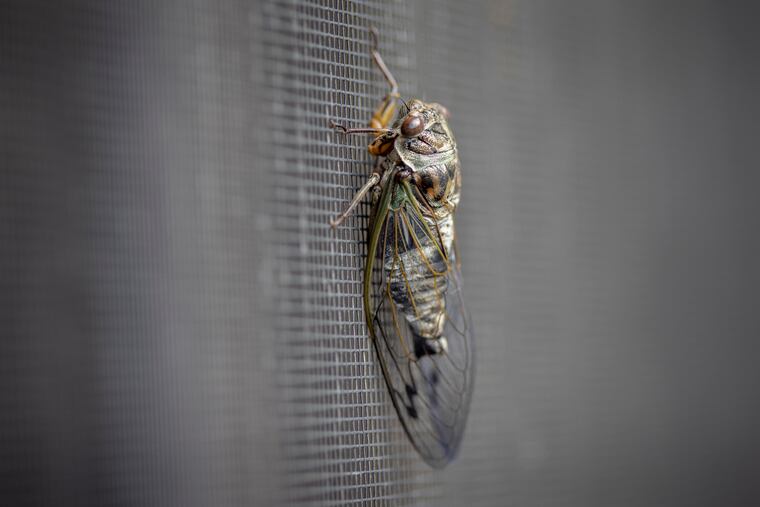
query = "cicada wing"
{"x": 416, "y": 286}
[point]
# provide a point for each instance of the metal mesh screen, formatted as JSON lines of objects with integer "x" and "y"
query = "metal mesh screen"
{"x": 343, "y": 442}
{"x": 182, "y": 327}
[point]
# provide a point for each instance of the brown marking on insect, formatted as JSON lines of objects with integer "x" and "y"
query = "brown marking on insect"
{"x": 433, "y": 182}
{"x": 420, "y": 147}
{"x": 382, "y": 145}
{"x": 437, "y": 141}
{"x": 434, "y": 190}
{"x": 384, "y": 113}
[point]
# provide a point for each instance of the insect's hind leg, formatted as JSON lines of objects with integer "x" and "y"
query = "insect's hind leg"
{"x": 386, "y": 110}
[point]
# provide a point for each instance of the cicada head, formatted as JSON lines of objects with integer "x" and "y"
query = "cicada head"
{"x": 423, "y": 133}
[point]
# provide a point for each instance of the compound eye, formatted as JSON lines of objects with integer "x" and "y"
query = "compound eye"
{"x": 413, "y": 125}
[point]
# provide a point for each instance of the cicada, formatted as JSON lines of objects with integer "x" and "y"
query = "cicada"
{"x": 413, "y": 301}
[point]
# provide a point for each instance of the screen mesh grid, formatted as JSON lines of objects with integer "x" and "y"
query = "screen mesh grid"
{"x": 180, "y": 326}
{"x": 344, "y": 443}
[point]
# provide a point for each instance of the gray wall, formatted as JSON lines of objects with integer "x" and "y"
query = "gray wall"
{"x": 180, "y": 326}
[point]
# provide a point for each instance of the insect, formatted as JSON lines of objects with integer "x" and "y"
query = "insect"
{"x": 413, "y": 302}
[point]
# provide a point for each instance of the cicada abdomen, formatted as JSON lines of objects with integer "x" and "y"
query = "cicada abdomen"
{"x": 413, "y": 300}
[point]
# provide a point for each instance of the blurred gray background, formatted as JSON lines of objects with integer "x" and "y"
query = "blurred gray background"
{"x": 181, "y": 327}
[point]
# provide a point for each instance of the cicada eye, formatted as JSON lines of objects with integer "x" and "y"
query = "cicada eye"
{"x": 413, "y": 125}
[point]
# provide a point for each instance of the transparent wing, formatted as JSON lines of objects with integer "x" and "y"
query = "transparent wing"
{"x": 418, "y": 322}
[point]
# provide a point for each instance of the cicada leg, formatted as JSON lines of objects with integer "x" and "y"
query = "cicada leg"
{"x": 378, "y": 125}
{"x": 371, "y": 182}
{"x": 385, "y": 112}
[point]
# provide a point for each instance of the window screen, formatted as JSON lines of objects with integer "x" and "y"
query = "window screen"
{"x": 182, "y": 327}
